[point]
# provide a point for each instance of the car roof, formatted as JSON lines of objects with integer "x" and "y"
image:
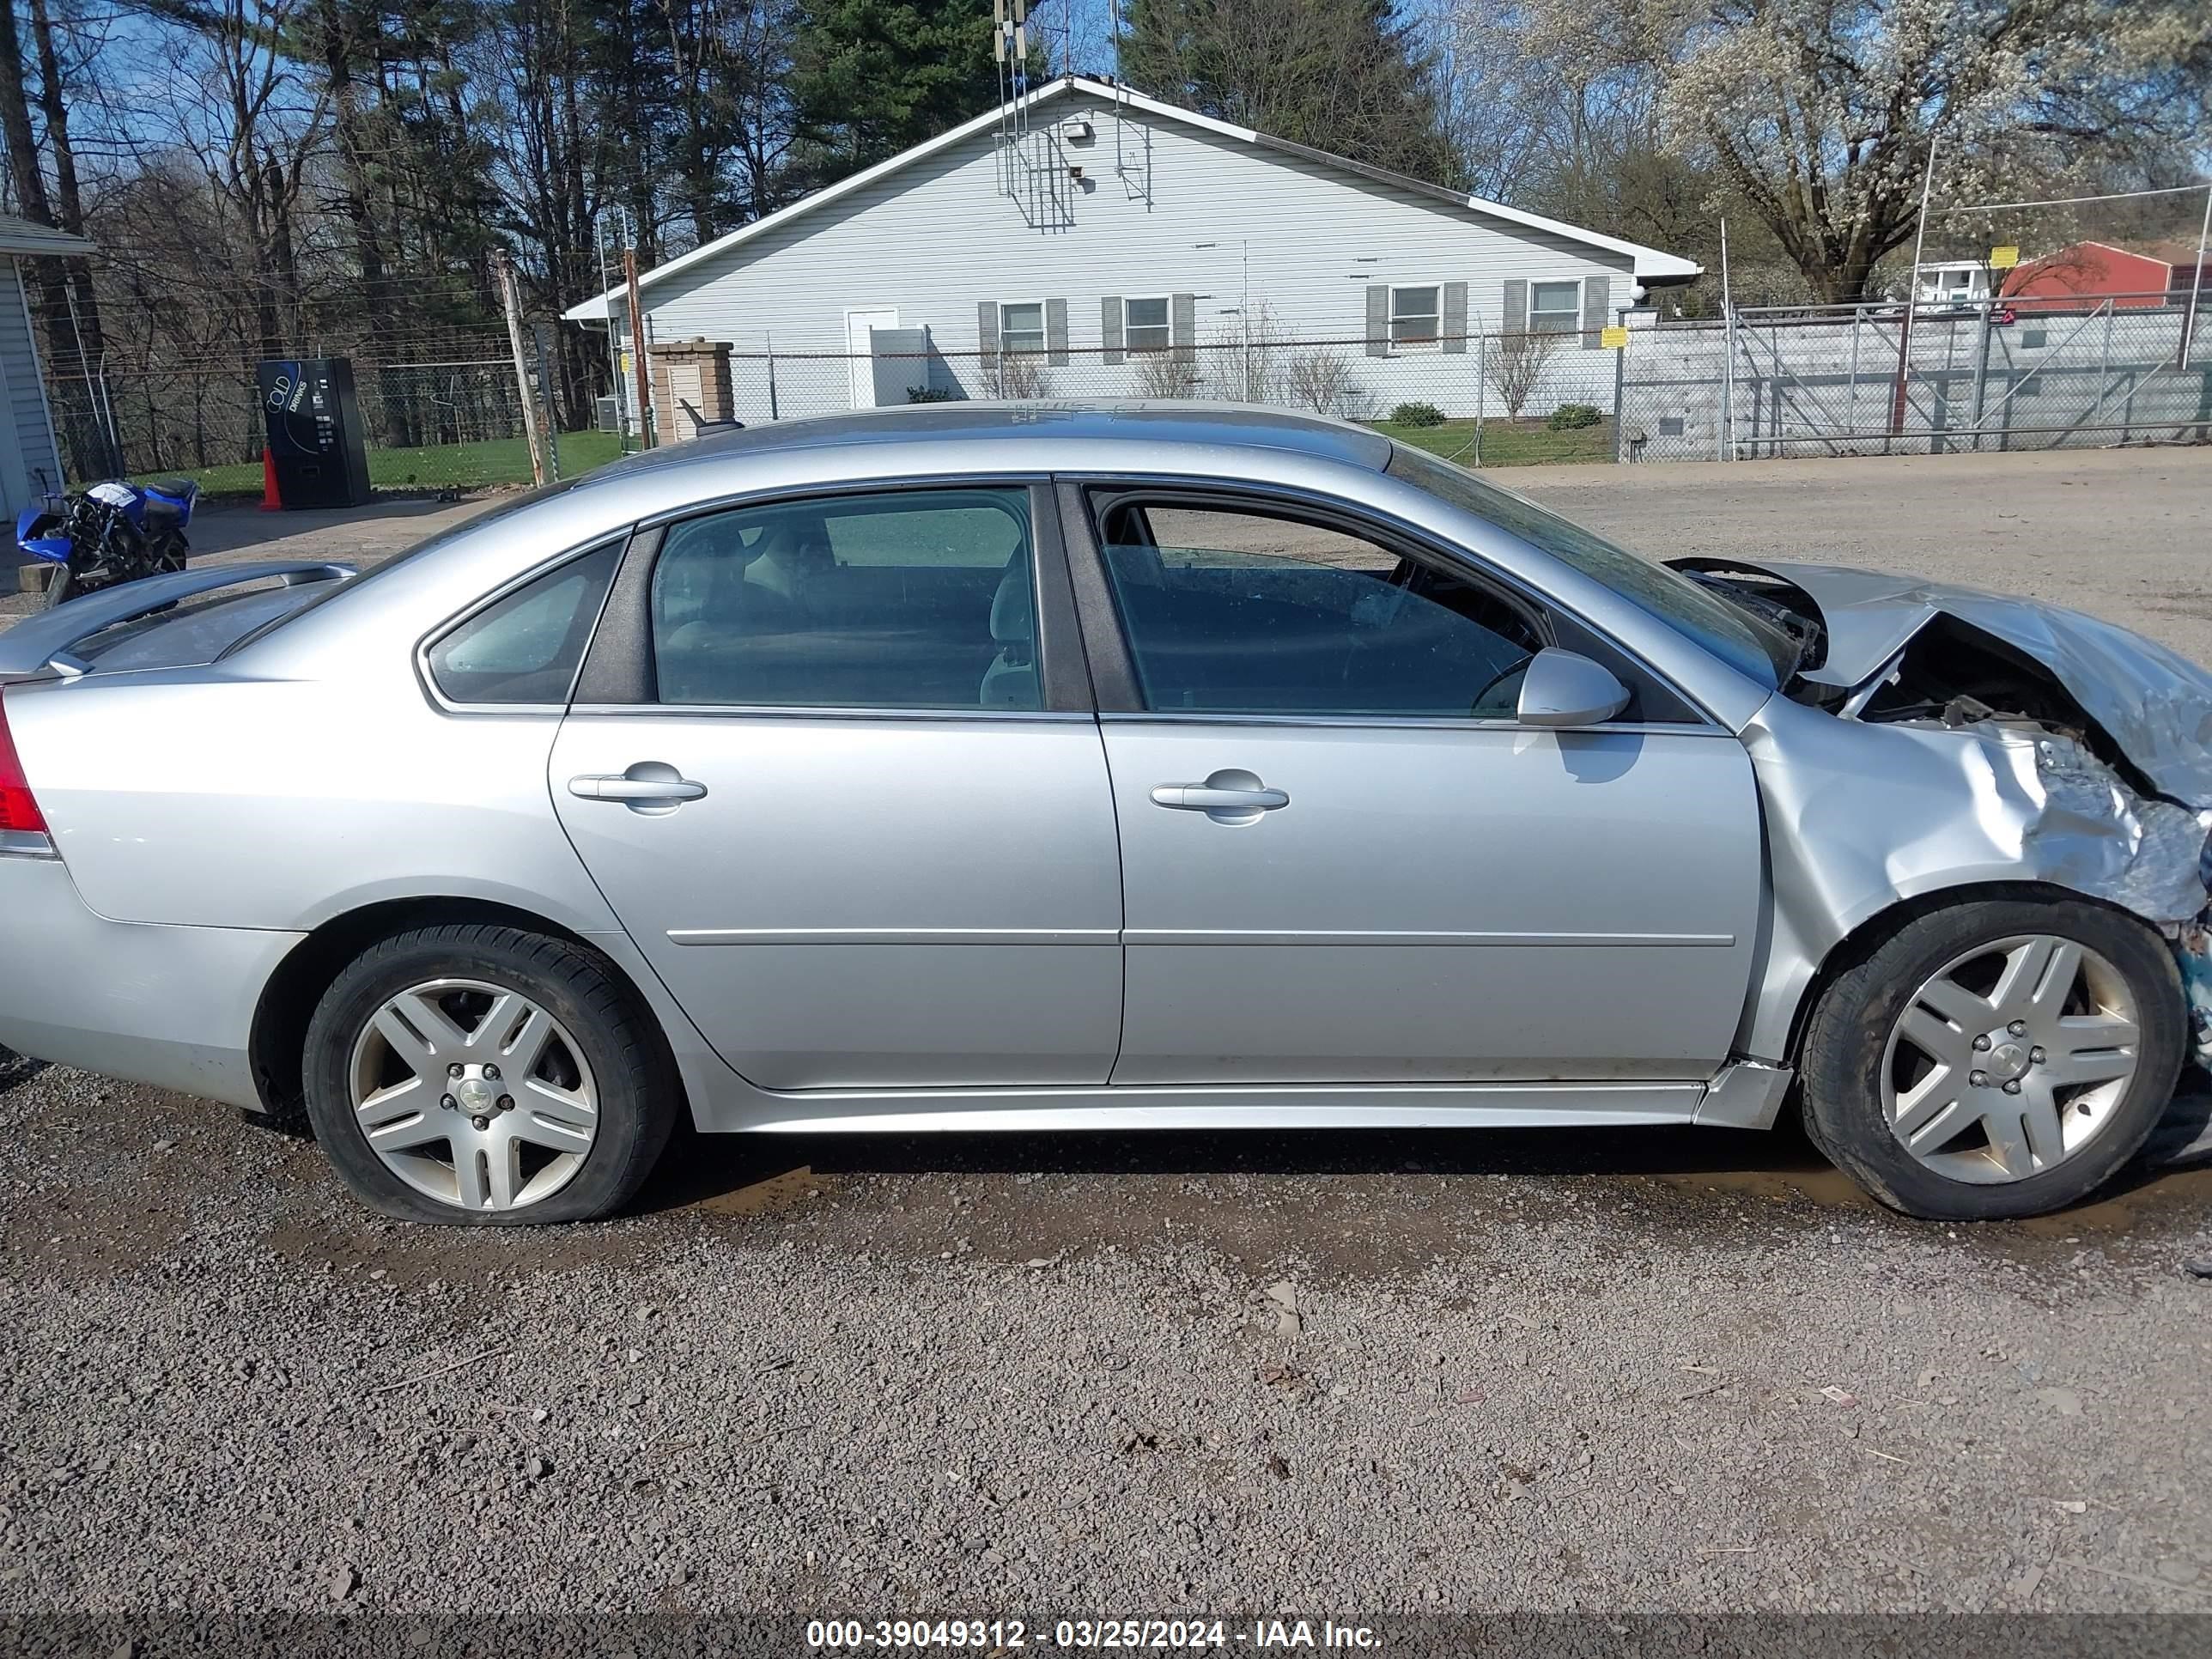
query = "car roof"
{"x": 1197, "y": 424}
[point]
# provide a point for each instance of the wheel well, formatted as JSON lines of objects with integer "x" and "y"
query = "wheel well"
{"x": 1870, "y": 935}
{"x": 278, "y": 1048}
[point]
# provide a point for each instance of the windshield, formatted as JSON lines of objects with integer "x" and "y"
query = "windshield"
{"x": 1747, "y": 643}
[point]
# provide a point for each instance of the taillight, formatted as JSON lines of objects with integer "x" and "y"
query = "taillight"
{"x": 18, "y": 810}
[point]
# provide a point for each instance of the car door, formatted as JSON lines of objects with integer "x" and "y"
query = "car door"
{"x": 847, "y": 792}
{"x": 1343, "y": 859}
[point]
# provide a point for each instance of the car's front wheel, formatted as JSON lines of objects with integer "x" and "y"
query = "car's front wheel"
{"x": 1996, "y": 1058}
{"x": 482, "y": 1075}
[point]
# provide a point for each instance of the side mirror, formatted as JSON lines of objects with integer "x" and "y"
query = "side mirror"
{"x": 1563, "y": 688}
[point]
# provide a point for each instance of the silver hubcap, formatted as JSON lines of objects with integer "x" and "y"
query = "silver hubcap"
{"x": 473, "y": 1095}
{"x": 2010, "y": 1059}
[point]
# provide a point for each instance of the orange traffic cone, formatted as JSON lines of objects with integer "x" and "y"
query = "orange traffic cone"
{"x": 270, "y": 501}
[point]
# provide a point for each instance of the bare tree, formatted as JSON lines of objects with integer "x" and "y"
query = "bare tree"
{"x": 1321, "y": 380}
{"x": 1516, "y": 363}
{"x": 1017, "y": 374}
{"x": 1244, "y": 360}
{"x": 1165, "y": 374}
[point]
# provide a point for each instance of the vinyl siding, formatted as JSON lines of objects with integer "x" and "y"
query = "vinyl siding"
{"x": 940, "y": 238}
{"x": 31, "y": 466}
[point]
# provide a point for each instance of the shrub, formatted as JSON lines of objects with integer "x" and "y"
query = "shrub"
{"x": 1322, "y": 381}
{"x": 929, "y": 394}
{"x": 1516, "y": 363}
{"x": 1417, "y": 415}
{"x": 1164, "y": 374}
{"x": 1567, "y": 417}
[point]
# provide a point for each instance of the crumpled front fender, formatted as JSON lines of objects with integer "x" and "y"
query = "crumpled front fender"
{"x": 1860, "y": 817}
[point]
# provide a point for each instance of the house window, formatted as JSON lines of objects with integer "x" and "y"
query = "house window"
{"x": 1021, "y": 328}
{"x": 1146, "y": 325}
{"x": 1416, "y": 315}
{"x": 1555, "y": 308}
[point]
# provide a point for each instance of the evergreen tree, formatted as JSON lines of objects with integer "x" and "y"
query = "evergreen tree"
{"x": 872, "y": 77}
{"x": 1344, "y": 76}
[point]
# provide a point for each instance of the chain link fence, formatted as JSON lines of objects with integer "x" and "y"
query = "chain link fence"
{"x": 1956, "y": 377}
{"x": 429, "y": 426}
{"x": 1491, "y": 399}
{"x": 1773, "y": 381}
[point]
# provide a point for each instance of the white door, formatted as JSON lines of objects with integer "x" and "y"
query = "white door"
{"x": 859, "y": 326}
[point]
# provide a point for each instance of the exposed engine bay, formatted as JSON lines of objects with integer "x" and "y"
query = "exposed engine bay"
{"x": 2094, "y": 745}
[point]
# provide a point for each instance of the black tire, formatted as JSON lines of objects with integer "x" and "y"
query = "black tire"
{"x": 639, "y": 1090}
{"x": 1848, "y": 1037}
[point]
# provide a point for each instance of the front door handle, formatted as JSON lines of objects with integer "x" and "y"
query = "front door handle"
{"x": 1230, "y": 796}
{"x": 1205, "y": 798}
{"x": 644, "y": 786}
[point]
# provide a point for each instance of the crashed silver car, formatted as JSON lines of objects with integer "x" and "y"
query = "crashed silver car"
{"x": 1106, "y": 769}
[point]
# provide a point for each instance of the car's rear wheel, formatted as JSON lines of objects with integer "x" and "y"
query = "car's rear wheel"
{"x": 1996, "y": 1058}
{"x": 482, "y": 1075}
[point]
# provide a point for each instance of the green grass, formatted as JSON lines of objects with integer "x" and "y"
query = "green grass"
{"x": 1506, "y": 443}
{"x": 507, "y": 460}
{"x": 427, "y": 466}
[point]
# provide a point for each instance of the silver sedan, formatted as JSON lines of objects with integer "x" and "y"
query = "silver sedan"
{"x": 1099, "y": 768}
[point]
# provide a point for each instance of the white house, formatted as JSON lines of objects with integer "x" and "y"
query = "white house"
{"x": 30, "y": 456}
{"x": 1089, "y": 242}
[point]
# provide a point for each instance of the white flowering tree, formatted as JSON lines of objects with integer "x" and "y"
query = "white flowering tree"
{"x": 1816, "y": 116}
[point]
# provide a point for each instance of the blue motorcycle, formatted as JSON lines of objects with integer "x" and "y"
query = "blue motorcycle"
{"x": 108, "y": 534}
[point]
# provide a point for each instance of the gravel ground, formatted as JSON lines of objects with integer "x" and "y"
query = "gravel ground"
{"x": 1668, "y": 1371}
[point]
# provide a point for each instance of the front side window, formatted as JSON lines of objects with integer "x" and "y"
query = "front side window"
{"x": 1747, "y": 643}
{"x": 1231, "y": 610}
{"x": 526, "y": 647}
{"x": 1145, "y": 326}
{"x": 914, "y": 599}
{"x": 1021, "y": 327}
{"x": 1416, "y": 315}
{"x": 1555, "y": 308}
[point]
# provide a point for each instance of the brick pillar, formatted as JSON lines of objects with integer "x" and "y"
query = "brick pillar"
{"x": 690, "y": 386}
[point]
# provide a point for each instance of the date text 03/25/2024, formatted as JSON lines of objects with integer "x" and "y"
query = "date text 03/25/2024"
{"x": 1003, "y": 1635}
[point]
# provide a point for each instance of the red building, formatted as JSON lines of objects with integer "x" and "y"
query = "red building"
{"x": 2077, "y": 277}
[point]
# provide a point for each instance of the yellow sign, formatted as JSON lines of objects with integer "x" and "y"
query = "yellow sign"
{"x": 1613, "y": 338}
{"x": 2003, "y": 259}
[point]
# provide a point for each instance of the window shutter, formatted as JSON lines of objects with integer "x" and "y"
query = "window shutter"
{"x": 1378, "y": 319}
{"x": 1517, "y": 306}
{"x": 1454, "y": 318}
{"x": 1183, "y": 309}
{"x": 1055, "y": 332}
{"x": 1110, "y": 327}
{"x": 987, "y": 332}
{"x": 1596, "y": 290}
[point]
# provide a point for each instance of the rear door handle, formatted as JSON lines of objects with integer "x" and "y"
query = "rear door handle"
{"x": 1206, "y": 798}
{"x": 649, "y": 783}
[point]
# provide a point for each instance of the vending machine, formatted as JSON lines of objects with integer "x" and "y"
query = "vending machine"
{"x": 315, "y": 440}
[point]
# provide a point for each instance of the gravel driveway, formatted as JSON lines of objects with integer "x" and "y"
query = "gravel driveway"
{"x": 1318, "y": 1375}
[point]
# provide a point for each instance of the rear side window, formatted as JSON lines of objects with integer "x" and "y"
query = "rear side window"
{"x": 917, "y": 599}
{"x": 527, "y": 647}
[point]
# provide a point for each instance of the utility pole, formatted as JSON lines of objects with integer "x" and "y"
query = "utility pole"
{"x": 1911, "y": 300}
{"x": 641, "y": 372}
{"x": 2196, "y": 285}
{"x": 1724, "y": 437}
{"x": 510, "y": 296}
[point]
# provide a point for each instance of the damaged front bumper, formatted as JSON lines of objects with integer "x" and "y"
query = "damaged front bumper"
{"x": 2083, "y": 751}
{"x": 2082, "y": 827}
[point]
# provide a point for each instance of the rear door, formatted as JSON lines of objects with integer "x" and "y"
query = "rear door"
{"x": 834, "y": 765}
{"x": 1343, "y": 858}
